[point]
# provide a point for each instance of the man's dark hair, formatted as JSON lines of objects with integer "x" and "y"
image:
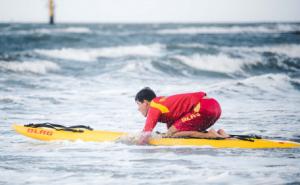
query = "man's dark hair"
{"x": 145, "y": 94}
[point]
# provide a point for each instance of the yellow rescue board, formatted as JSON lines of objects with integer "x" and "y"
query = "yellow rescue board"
{"x": 48, "y": 134}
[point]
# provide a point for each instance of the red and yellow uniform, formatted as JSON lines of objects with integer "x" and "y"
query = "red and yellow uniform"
{"x": 187, "y": 112}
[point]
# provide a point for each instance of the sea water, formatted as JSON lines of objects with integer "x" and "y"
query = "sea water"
{"x": 89, "y": 74}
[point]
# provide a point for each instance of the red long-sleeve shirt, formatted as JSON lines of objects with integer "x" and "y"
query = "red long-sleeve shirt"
{"x": 169, "y": 109}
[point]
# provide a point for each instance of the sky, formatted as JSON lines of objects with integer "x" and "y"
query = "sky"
{"x": 152, "y": 11}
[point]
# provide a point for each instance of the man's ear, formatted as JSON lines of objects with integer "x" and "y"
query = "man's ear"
{"x": 147, "y": 102}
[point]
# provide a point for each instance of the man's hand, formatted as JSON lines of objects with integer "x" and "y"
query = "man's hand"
{"x": 144, "y": 138}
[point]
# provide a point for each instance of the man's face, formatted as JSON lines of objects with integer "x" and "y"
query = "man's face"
{"x": 143, "y": 107}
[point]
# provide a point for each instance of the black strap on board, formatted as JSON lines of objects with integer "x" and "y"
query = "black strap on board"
{"x": 250, "y": 137}
{"x": 75, "y": 128}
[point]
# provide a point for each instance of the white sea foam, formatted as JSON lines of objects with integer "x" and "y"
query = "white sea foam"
{"x": 233, "y": 29}
{"x": 216, "y": 63}
{"x": 38, "y": 67}
{"x": 110, "y": 52}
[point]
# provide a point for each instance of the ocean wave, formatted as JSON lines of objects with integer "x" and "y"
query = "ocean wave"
{"x": 279, "y": 28}
{"x": 37, "y": 67}
{"x": 110, "y": 52}
{"x": 267, "y": 80}
{"x": 279, "y": 58}
{"x": 256, "y": 86}
{"x": 193, "y": 45}
{"x": 65, "y": 30}
{"x": 215, "y": 63}
{"x": 140, "y": 68}
{"x": 291, "y": 50}
{"x": 244, "y": 63}
{"x": 49, "y": 31}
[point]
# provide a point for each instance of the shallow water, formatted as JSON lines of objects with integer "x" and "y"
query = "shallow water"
{"x": 89, "y": 74}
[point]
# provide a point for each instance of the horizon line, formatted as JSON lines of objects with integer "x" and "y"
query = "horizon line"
{"x": 150, "y": 22}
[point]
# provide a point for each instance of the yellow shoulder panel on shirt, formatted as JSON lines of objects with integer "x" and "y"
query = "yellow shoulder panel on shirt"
{"x": 197, "y": 108}
{"x": 162, "y": 108}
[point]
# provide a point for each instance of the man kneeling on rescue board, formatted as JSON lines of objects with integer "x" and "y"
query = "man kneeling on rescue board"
{"x": 185, "y": 115}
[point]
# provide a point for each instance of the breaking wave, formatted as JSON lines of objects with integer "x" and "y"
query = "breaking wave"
{"x": 37, "y": 67}
{"x": 110, "y": 52}
{"x": 291, "y": 50}
{"x": 244, "y": 64}
{"x": 279, "y": 28}
{"x": 64, "y": 30}
{"x": 215, "y": 63}
{"x": 57, "y": 30}
{"x": 277, "y": 84}
{"x": 47, "y": 31}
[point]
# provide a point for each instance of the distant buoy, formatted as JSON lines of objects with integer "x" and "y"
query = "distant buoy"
{"x": 51, "y": 11}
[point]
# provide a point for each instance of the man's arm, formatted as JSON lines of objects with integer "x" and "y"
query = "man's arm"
{"x": 151, "y": 121}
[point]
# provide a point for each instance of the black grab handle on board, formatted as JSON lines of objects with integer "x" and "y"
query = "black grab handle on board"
{"x": 75, "y": 128}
